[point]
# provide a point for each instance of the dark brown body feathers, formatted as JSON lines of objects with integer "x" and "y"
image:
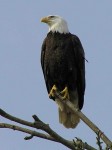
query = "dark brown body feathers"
{"x": 63, "y": 63}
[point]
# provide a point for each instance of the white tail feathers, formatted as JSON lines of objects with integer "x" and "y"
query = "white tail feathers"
{"x": 66, "y": 116}
{"x": 69, "y": 120}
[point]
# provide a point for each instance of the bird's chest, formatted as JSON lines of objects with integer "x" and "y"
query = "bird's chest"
{"x": 57, "y": 58}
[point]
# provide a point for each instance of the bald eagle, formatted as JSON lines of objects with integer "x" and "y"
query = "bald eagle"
{"x": 63, "y": 65}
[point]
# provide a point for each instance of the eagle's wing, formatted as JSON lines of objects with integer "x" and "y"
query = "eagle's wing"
{"x": 44, "y": 69}
{"x": 80, "y": 64}
{"x": 44, "y": 66}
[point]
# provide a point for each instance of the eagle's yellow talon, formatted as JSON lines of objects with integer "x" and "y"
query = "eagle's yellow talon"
{"x": 65, "y": 93}
{"x": 54, "y": 88}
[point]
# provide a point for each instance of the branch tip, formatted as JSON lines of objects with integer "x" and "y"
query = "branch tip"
{"x": 36, "y": 118}
{"x": 28, "y": 137}
{"x": 2, "y": 112}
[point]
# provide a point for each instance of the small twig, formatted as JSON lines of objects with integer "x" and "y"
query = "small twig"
{"x": 29, "y": 137}
{"x": 36, "y": 118}
{"x": 80, "y": 145}
{"x": 98, "y": 141}
{"x": 85, "y": 119}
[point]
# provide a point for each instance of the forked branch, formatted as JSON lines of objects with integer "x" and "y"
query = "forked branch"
{"x": 38, "y": 124}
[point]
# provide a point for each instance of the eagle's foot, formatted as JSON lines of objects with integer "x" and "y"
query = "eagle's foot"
{"x": 65, "y": 94}
{"x": 51, "y": 94}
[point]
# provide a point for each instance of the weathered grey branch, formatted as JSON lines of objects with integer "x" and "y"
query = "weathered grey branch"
{"x": 31, "y": 132}
{"x": 86, "y": 120}
{"x": 38, "y": 124}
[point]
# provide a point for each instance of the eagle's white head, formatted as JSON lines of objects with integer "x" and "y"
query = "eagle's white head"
{"x": 56, "y": 24}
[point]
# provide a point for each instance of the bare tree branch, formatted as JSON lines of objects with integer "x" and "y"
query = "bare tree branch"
{"x": 31, "y": 132}
{"x": 38, "y": 124}
{"x": 85, "y": 120}
{"x": 52, "y": 135}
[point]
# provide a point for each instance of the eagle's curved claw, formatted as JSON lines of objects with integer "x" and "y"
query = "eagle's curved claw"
{"x": 65, "y": 93}
{"x": 51, "y": 94}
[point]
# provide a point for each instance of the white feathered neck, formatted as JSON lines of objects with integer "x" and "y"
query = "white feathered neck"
{"x": 58, "y": 24}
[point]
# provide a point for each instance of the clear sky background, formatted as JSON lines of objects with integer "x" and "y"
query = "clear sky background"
{"x": 22, "y": 88}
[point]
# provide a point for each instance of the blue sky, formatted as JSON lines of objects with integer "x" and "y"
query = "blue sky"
{"x": 22, "y": 88}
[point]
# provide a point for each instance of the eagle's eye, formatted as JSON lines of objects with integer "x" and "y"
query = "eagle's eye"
{"x": 51, "y": 16}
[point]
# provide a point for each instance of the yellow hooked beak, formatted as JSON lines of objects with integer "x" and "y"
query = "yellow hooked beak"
{"x": 45, "y": 20}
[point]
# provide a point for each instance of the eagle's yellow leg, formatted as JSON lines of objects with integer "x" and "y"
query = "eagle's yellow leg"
{"x": 65, "y": 93}
{"x": 54, "y": 88}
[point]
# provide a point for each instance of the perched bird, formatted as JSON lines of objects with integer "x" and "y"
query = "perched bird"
{"x": 63, "y": 65}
